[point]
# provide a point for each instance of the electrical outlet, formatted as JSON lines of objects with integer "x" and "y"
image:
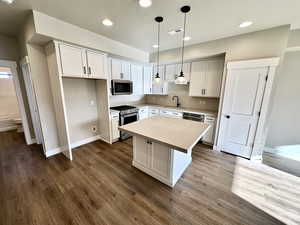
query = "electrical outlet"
{"x": 202, "y": 102}
{"x": 94, "y": 129}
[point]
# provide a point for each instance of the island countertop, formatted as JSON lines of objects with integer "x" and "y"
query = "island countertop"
{"x": 178, "y": 133}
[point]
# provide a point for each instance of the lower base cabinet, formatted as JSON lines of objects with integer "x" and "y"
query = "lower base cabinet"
{"x": 159, "y": 160}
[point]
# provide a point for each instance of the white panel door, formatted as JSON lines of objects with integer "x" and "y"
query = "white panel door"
{"x": 116, "y": 69}
{"x": 148, "y": 79}
{"x": 125, "y": 71}
{"x": 141, "y": 151}
{"x": 72, "y": 60}
{"x": 96, "y": 64}
{"x": 242, "y": 104}
{"x": 160, "y": 159}
{"x": 137, "y": 79}
{"x": 198, "y": 78}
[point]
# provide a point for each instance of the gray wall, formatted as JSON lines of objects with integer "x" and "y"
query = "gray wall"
{"x": 81, "y": 105}
{"x": 9, "y": 50}
{"x": 284, "y": 128}
{"x": 261, "y": 44}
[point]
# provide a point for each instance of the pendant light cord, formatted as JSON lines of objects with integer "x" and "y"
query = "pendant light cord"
{"x": 158, "y": 43}
{"x": 182, "y": 53}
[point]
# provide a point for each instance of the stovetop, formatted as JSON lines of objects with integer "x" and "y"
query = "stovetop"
{"x": 123, "y": 107}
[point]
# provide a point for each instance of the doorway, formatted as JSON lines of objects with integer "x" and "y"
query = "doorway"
{"x": 12, "y": 109}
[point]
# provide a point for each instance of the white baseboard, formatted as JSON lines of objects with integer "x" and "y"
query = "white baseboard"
{"x": 73, "y": 145}
{"x": 8, "y": 128}
{"x": 53, "y": 152}
{"x": 104, "y": 139}
{"x": 85, "y": 141}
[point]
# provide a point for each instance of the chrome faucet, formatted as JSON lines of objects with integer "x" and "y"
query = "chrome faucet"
{"x": 177, "y": 100}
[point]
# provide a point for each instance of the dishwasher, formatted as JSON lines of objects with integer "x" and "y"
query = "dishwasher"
{"x": 193, "y": 116}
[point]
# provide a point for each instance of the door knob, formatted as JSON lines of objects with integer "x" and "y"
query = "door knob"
{"x": 227, "y": 116}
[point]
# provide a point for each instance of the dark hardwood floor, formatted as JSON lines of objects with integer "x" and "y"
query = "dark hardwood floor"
{"x": 101, "y": 187}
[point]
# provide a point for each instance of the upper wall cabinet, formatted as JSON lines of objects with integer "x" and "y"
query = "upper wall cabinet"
{"x": 120, "y": 70}
{"x": 72, "y": 60}
{"x": 137, "y": 79}
{"x": 79, "y": 62}
{"x": 173, "y": 71}
{"x": 96, "y": 64}
{"x": 206, "y": 78}
{"x": 148, "y": 79}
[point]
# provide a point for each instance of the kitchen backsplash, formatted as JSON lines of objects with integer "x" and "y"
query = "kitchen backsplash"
{"x": 186, "y": 101}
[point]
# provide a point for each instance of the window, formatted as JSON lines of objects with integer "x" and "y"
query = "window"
{"x": 5, "y": 73}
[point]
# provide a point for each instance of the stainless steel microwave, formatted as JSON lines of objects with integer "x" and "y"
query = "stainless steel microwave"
{"x": 121, "y": 87}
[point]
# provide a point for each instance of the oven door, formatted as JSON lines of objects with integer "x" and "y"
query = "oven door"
{"x": 125, "y": 119}
{"x": 121, "y": 87}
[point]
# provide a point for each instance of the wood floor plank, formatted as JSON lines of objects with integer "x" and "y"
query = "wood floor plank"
{"x": 101, "y": 186}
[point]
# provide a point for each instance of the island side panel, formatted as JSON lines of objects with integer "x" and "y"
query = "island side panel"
{"x": 180, "y": 163}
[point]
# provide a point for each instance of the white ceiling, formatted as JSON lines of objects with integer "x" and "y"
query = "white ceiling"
{"x": 133, "y": 25}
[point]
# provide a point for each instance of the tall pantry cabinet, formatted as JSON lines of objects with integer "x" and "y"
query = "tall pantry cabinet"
{"x": 70, "y": 61}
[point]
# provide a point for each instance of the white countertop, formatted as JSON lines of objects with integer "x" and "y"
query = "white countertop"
{"x": 178, "y": 133}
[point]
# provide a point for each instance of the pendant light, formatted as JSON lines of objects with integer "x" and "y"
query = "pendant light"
{"x": 158, "y": 19}
{"x": 181, "y": 79}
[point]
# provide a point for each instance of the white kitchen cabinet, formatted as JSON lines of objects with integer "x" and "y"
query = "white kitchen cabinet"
{"x": 152, "y": 156}
{"x": 80, "y": 62}
{"x": 160, "y": 156}
{"x": 115, "y": 126}
{"x": 142, "y": 152}
{"x": 153, "y": 111}
{"x": 169, "y": 113}
{"x": 206, "y": 78}
{"x": 120, "y": 70}
{"x": 208, "y": 138}
{"x": 143, "y": 113}
{"x": 137, "y": 79}
{"x": 186, "y": 70}
{"x": 171, "y": 72}
{"x": 97, "y": 64}
{"x": 72, "y": 60}
{"x": 160, "y": 88}
{"x": 148, "y": 79}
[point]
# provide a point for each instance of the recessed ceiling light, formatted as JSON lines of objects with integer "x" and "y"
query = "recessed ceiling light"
{"x": 107, "y": 22}
{"x": 246, "y": 24}
{"x": 8, "y": 1}
{"x": 175, "y": 31}
{"x": 155, "y": 46}
{"x": 187, "y": 38}
{"x": 145, "y": 3}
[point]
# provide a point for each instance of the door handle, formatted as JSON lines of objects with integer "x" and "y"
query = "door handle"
{"x": 227, "y": 116}
{"x": 89, "y": 70}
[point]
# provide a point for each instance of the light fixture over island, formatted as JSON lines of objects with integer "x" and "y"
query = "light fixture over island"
{"x": 161, "y": 148}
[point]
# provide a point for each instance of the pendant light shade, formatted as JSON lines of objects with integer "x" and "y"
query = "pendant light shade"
{"x": 158, "y": 19}
{"x": 181, "y": 78}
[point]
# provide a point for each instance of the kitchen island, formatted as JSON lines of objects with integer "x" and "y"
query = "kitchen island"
{"x": 162, "y": 146}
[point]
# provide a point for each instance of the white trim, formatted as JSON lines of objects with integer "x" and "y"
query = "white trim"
{"x": 270, "y": 150}
{"x": 85, "y": 141}
{"x": 52, "y": 152}
{"x": 292, "y": 49}
{"x": 8, "y": 128}
{"x": 73, "y": 145}
{"x": 253, "y": 63}
{"x": 13, "y": 66}
{"x": 34, "y": 112}
{"x": 104, "y": 139}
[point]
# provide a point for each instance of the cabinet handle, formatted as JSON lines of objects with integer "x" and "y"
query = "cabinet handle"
{"x": 89, "y": 70}
{"x": 150, "y": 90}
{"x": 121, "y": 75}
{"x": 84, "y": 70}
{"x": 204, "y": 91}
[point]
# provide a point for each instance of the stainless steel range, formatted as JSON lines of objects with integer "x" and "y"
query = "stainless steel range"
{"x": 128, "y": 114}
